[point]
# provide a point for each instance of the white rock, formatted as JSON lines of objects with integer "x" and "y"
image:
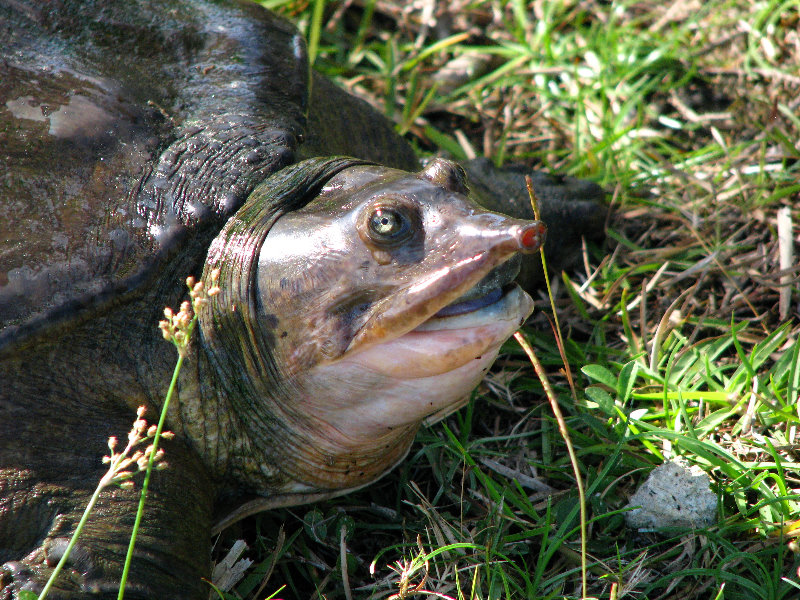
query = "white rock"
{"x": 674, "y": 495}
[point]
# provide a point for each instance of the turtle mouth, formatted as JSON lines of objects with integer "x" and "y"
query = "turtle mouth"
{"x": 462, "y": 339}
{"x": 486, "y": 292}
{"x": 497, "y": 304}
{"x": 460, "y": 307}
{"x": 432, "y": 303}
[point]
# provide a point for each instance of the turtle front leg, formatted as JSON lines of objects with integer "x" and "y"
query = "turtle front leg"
{"x": 172, "y": 552}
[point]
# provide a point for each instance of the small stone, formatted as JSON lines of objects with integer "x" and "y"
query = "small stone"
{"x": 460, "y": 71}
{"x": 674, "y": 496}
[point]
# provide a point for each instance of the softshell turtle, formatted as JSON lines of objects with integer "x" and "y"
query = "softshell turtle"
{"x": 141, "y": 142}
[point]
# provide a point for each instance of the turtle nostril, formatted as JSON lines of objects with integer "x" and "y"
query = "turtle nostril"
{"x": 531, "y": 237}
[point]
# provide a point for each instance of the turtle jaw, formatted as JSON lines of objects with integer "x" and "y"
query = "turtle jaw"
{"x": 420, "y": 376}
{"x": 370, "y": 402}
{"x": 446, "y": 343}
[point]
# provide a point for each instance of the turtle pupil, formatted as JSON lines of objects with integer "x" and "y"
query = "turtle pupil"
{"x": 386, "y": 223}
{"x": 389, "y": 226}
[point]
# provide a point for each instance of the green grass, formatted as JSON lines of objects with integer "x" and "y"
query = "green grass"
{"x": 688, "y": 114}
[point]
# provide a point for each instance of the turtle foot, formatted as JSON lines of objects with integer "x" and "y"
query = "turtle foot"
{"x": 79, "y": 576}
{"x": 16, "y": 577}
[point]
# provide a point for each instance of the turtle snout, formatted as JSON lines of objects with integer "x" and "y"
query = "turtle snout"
{"x": 531, "y": 236}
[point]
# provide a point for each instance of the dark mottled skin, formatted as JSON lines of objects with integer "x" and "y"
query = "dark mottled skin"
{"x": 129, "y": 133}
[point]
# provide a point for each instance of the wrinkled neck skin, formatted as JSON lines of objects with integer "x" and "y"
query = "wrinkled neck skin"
{"x": 301, "y": 459}
{"x": 381, "y": 307}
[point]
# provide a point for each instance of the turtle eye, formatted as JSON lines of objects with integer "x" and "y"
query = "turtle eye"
{"x": 389, "y": 226}
{"x": 392, "y": 229}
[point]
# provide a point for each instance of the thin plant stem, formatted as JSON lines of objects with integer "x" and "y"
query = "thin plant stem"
{"x": 178, "y": 330}
{"x": 72, "y": 541}
{"x": 102, "y": 484}
{"x": 551, "y": 397}
{"x": 562, "y": 428}
{"x": 146, "y": 482}
{"x": 314, "y": 30}
{"x": 559, "y": 337}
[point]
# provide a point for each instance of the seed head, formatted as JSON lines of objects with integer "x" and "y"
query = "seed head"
{"x": 131, "y": 458}
{"x": 214, "y": 289}
{"x": 177, "y": 328}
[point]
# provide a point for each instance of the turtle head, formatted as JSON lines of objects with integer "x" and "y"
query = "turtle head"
{"x": 382, "y": 253}
{"x": 373, "y": 305}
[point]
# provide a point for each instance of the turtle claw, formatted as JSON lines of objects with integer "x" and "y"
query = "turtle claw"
{"x": 78, "y": 577}
{"x": 16, "y": 577}
{"x": 79, "y": 560}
